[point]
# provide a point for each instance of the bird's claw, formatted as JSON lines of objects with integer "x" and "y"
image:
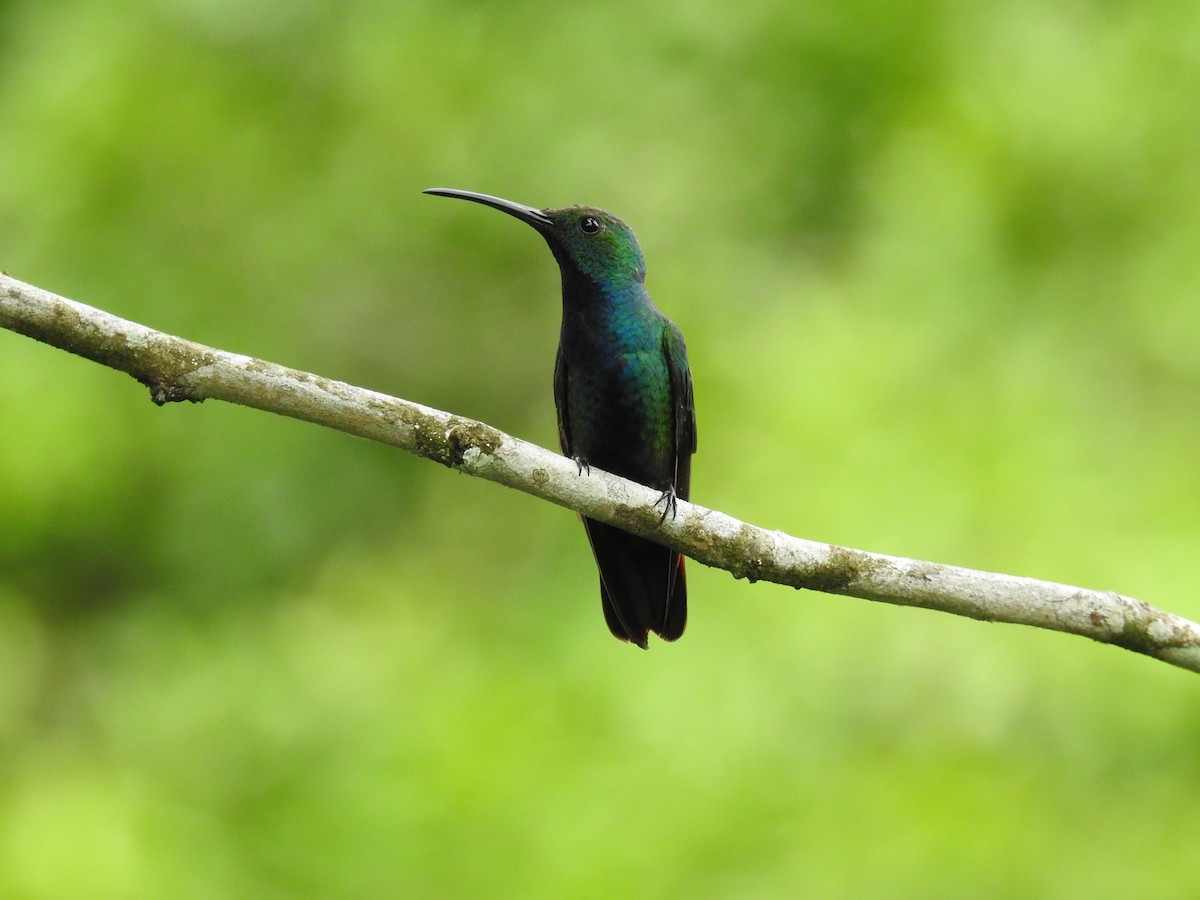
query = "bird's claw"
{"x": 582, "y": 465}
{"x": 669, "y": 501}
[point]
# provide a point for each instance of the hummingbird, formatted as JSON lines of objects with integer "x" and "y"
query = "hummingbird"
{"x": 623, "y": 394}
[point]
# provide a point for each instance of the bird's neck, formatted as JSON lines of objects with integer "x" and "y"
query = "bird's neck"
{"x": 611, "y": 316}
{"x": 601, "y": 295}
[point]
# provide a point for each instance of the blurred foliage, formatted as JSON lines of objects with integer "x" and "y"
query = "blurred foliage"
{"x": 937, "y": 268}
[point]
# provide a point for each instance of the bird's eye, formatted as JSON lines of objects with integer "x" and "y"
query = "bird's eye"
{"x": 590, "y": 225}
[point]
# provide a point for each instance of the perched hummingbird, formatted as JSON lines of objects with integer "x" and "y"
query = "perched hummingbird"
{"x": 623, "y": 392}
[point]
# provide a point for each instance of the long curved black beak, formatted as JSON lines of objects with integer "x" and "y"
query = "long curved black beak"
{"x": 527, "y": 214}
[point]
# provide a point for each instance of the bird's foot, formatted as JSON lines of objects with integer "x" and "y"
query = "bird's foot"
{"x": 668, "y": 499}
{"x": 582, "y": 465}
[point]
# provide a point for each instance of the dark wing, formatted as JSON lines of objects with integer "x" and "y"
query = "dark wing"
{"x": 560, "y": 402}
{"x": 683, "y": 408}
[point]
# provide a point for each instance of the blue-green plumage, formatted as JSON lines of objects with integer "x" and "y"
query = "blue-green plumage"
{"x": 623, "y": 392}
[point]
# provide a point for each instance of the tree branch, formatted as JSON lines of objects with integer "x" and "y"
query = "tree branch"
{"x": 175, "y": 369}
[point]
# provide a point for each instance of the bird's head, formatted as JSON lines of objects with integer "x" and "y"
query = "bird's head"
{"x": 593, "y": 242}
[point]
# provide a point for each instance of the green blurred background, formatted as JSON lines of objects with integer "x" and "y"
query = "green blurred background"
{"x": 937, "y": 269}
